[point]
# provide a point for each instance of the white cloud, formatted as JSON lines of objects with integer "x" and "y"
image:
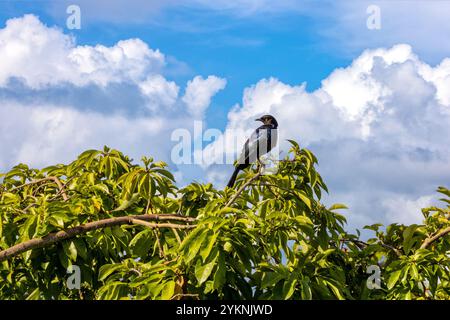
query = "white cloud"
{"x": 42, "y": 135}
{"x": 407, "y": 211}
{"x": 440, "y": 77}
{"x": 199, "y": 92}
{"x": 366, "y": 91}
{"x": 58, "y": 98}
{"x": 160, "y": 91}
{"x": 41, "y": 56}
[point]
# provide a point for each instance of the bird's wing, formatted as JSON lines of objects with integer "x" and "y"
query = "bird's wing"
{"x": 256, "y": 145}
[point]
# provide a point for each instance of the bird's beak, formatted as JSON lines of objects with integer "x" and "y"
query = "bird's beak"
{"x": 259, "y": 119}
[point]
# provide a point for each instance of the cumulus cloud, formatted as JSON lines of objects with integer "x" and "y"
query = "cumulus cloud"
{"x": 406, "y": 210}
{"x": 380, "y": 127}
{"x": 58, "y": 98}
{"x": 43, "y": 134}
{"x": 199, "y": 92}
{"x": 41, "y": 56}
{"x": 160, "y": 91}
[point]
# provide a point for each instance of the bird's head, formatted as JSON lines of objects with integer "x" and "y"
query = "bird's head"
{"x": 268, "y": 120}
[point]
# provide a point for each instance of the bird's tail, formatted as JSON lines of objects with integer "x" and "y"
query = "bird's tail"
{"x": 233, "y": 178}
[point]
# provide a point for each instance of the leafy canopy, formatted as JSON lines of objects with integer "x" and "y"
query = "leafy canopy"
{"x": 135, "y": 235}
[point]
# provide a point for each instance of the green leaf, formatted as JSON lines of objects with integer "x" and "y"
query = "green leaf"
{"x": 192, "y": 243}
{"x": 80, "y": 248}
{"x": 203, "y": 271}
{"x": 337, "y": 206}
{"x": 393, "y": 278}
{"x": 421, "y": 254}
{"x": 405, "y": 272}
{"x": 64, "y": 259}
{"x": 168, "y": 290}
{"x": 221, "y": 273}
{"x": 28, "y": 229}
{"x": 304, "y": 197}
{"x": 108, "y": 269}
{"x": 306, "y": 293}
{"x": 34, "y": 295}
{"x": 101, "y": 187}
{"x": 145, "y": 187}
{"x": 10, "y": 198}
{"x": 70, "y": 250}
{"x": 444, "y": 190}
{"x": 166, "y": 173}
{"x": 270, "y": 279}
{"x": 128, "y": 203}
{"x": 414, "y": 272}
{"x": 408, "y": 237}
{"x": 373, "y": 227}
{"x": 289, "y": 286}
{"x": 294, "y": 143}
{"x": 304, "y": 220}
{"x": 335, "y": 290}
{"x": 112, "y": 291}
{"x": 208, "y": 244}
{"x": 141, "y": 243}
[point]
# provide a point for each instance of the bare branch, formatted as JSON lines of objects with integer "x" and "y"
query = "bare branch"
{"x": 141, "y": 222}
{"x": 361, "y": 245}
{"x": 428, "y": 241}
{"x": 177, "y": 236}
{"x": 84, "y": 228}
{"x": 51, "y": 178}
{"x": 162, "y": 254}
{"x": 245, "y": 185}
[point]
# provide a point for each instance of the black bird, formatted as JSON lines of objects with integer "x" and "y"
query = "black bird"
{"x": 262, "y": 140}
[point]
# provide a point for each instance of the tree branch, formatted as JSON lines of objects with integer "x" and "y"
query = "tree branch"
{"x": 245, "y": 185}
{"x": 84, "y": 228}
{"x": 141, "y": 222}
{"x": 361, "y": 245}
{"x": 428, "y": 241}
{"x": 51, "y": 178}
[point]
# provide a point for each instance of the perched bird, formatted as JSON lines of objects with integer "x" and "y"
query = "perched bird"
{"x": 262, "y": 140}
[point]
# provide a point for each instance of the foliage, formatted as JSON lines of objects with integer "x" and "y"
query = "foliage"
{"x": 270, "y": 237}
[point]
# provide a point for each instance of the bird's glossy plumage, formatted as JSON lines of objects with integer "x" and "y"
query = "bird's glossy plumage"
{"x": 262, "y": 140}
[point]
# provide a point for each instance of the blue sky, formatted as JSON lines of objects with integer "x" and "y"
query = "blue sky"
{"x": 375, "y": 107}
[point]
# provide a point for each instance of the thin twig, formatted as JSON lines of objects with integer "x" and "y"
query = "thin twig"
{"x": 273, "y": 185}
{"x": 141, "y": 222}
{"x": 148, "y": 206}
{"x": 162, "y": 254}
{"x": 176, "y": 235}
{"x": 245, "y": 185}
{"x": 51, "y": 178}
{"x": 136, "y": 271}
{"x": 428, "y": 241}
{"x": 361, "y": 245}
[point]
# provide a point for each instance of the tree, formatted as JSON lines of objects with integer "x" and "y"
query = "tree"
{"x": 132, "y": 234}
